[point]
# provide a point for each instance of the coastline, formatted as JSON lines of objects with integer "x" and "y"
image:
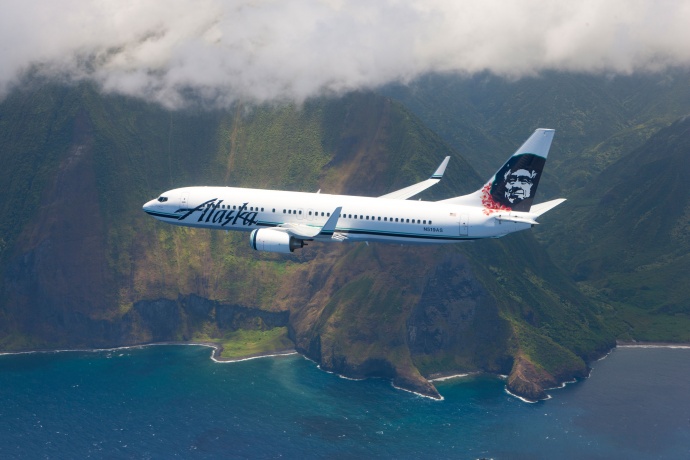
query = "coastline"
{"x": 216, "y": 350}
{"x": 442, "y": 377}
{"x": 635, "y": 344}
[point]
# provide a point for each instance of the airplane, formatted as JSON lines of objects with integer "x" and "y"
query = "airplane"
{"x": 283, "y": 221}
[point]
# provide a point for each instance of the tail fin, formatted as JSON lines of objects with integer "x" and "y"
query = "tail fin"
{"x": 513, "y": 186}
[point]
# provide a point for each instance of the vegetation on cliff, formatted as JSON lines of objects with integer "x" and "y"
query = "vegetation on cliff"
{"x": 83, "y": 266}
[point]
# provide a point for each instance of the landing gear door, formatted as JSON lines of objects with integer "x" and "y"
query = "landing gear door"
{"x": 462, "y": 224}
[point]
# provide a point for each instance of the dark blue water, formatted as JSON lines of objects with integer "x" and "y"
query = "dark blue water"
{"x": 173, "y": 401}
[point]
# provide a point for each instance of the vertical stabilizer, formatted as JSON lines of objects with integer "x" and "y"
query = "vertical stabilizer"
{"x": 513, "y": 186}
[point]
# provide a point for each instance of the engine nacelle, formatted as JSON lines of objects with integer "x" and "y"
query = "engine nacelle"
{"x": 265, "y": 239}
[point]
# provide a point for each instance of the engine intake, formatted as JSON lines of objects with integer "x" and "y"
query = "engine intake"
{"x": 265, "y": 239}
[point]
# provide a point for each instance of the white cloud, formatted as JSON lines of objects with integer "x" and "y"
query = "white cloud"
{"x": 265, "y": 50}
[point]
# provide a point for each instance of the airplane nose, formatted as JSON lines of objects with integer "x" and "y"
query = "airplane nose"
{"x": 148, "y": 205}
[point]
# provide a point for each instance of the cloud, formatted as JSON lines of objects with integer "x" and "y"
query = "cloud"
{"x": 268, "y": 50}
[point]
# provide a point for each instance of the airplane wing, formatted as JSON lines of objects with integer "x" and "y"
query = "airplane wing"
{"x": 307, "y": 232}
{"x": 419, "y": 187}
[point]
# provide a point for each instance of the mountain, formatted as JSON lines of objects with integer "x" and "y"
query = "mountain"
{"x": 83, "y": 266}
{"x": 633, "y": 238}
{"x": 617, "y": 156}
{"x": 598, "y": 119}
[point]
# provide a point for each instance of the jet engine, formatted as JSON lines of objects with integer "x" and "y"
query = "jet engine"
{"x": 266, "y": 239}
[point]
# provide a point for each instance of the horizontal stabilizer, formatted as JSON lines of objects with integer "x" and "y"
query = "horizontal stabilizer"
{"x": 419, "y": 187}
{"x": 517, "y": 219}
{"x": 539, "y": 209}
{"x": 528, "y": 217}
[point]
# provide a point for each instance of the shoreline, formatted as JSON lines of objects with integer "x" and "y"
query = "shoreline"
{"x": 216, "y": 350}
{"x": 441, "y": 377}
{"x": 635, "y": 344}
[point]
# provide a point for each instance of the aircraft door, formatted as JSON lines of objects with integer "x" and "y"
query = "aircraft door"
{"x": 462, "y": 224}
{"x": 183, "y": 201}
{"x": 310, "y": 214}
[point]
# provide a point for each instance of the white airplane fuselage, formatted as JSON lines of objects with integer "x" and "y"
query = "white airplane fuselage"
{"x": 361, "y": 218}
{"x": 282, "y": 221}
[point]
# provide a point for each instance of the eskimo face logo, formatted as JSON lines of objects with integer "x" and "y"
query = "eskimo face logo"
{"x": 515, "y": 184}
{"x": 518, "y": 185}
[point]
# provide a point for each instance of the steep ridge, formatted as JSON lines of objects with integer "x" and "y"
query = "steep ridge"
{"x": 621, "y": 233}
{"x": 83, "y": 266}
{"x": 633, "y": 248}
{"x": 598, "y": 119}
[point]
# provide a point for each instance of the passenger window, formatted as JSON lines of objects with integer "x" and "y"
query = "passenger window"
{"x": 429, "y": 222}
{"x": 424, "y": 222}
{"x": 396, "y": 219}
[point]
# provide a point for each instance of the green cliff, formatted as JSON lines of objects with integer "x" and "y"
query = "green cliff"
{"x": 82, "y": 266}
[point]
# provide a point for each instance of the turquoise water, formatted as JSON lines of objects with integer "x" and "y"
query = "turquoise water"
{"x": 174, "y": 402}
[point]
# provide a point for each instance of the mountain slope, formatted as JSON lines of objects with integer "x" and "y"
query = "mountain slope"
{"x": 84, "y": 267}
{"x": 639, "y": 211}
{"x": 621, "y": 233}
{"x": 597, "y": 119}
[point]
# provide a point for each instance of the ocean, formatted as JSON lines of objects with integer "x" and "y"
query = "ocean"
{"x": 170, "y": 401}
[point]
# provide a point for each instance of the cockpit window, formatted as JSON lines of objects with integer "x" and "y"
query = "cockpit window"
{"x": 162, "y": 199}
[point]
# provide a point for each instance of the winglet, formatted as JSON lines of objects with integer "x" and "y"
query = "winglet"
{"x": 438, "y": 174}
{"x": 329, "y": 226}
{"x": 419, "y": 187}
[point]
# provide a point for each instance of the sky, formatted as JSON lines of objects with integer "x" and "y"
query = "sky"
{"x": 259, "y": 51}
